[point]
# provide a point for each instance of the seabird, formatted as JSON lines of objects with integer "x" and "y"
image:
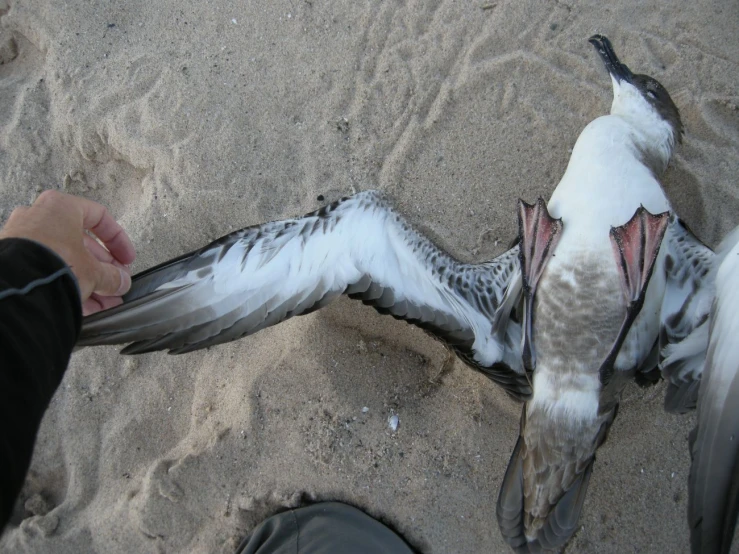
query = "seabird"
{"x": 704, "y": 368}
{"x": 611, "y": 279}
{"x": 561, "y": 321}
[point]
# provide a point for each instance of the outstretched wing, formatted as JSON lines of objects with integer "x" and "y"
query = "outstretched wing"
{"x": 360, "y": 246}
{"x": 690, "y": 288}
{"x": 713, "y": 484}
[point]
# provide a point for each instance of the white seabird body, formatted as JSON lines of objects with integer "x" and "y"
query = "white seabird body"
{"x": 604, "y": 184}
{"x": 579, "y": 308}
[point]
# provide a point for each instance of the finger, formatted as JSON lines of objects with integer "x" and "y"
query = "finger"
{"x": 19, "y": 211}
{"x": 97, "y": 303}
{"x": 111, "y": 280}
{"x": 97, "y": 249}
{"x": 16, "y": 214}
{"x": 101, "y": 254}
{"x": 91, "y": 306}
{"x": 97, "y": 219}
{"x": 108, "y": 302}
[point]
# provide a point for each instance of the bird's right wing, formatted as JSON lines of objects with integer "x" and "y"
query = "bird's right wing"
{"x": 713, "y": 485}
{"x": 360, "y": 246}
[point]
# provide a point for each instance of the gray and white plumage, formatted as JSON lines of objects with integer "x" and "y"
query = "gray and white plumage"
{"x": 704, "y": 370}
{"x": 360, "y": 246}
{"x": 685, "y": 309}
{"x": 583, "y": 359}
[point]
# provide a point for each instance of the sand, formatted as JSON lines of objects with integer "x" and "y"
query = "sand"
{"x": 191, "y": 119}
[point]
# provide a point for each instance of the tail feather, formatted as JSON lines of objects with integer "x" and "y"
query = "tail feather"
{"x": 537, "y": 529}
{"x": 509, "y": 508}
{"x": 562, "y": 521}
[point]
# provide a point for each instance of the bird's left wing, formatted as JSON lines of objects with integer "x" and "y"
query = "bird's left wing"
{"x": 360, "y": 246}
{"x": 690, "y": 288}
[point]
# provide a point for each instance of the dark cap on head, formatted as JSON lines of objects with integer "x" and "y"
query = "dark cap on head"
{"x": 651, "y": 89}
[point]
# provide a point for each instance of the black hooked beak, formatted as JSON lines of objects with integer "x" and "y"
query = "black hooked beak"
{"x": 605, "y": 50}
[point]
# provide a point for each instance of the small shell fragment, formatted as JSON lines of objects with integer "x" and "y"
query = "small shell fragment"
{"x": 393, "y": 421}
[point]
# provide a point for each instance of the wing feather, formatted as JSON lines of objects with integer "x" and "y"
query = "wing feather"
{"x": 360, "y": 246}
{"x": 713, "y": 484}
{"x": 689, "y": 292}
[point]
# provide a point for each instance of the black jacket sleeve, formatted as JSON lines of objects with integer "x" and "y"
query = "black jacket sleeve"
{"x": 40, "y": 318}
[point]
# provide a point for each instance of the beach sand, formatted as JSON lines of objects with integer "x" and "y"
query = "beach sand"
{"x": 192, "y": 119}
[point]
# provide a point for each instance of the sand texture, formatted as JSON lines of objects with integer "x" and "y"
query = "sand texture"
{"x": 191, "y": 119}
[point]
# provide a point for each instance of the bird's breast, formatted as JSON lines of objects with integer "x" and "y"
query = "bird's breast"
{"x": 605, "y": 182}
{"x": 578, "y": 309}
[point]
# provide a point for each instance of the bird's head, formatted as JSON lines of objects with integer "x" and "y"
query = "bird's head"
{"x": 643, "y": 102}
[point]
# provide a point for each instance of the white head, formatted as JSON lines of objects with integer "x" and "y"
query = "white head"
{"x": 646, "y": 105}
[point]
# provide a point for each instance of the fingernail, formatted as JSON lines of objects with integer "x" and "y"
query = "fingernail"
{"x": 125, "y": 283}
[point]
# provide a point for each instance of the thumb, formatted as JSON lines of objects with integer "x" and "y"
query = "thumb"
{"x": 111, "y": 280}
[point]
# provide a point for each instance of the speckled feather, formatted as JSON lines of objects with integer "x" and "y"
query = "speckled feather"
{"x": 360, "y": 246}
{"x": 690, "y": 271}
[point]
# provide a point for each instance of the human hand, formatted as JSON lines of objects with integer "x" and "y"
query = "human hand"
{"x": 59, "y": 222}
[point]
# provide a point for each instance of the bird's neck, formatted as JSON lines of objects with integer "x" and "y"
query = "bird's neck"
{"x": 648, "y": 132}
{"x": 631, "y": 138}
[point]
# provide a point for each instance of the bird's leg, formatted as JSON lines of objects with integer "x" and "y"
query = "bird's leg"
{"x": 635, "y": 247}
{"x": 539, "y": 234}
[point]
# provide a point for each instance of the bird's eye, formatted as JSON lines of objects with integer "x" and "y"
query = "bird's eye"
{"x": 651, "y": 95}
